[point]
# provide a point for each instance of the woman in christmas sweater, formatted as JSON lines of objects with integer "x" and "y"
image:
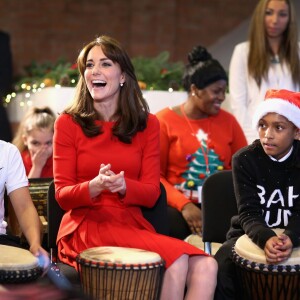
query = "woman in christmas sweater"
{"x": 197, "y": 138}
{"x": 106, "y": 166}
{"x": 266, "y": 178}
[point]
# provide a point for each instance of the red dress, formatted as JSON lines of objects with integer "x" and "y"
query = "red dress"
{"x": 109, "y": 220}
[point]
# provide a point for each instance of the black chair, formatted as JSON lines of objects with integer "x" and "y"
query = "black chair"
{"x": 157, "y": 216}
{"x": 218, "y": 207}
{"x": 54, "y": 216}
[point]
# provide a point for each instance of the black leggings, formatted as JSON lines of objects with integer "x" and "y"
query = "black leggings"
{"x": 227, "y": 280}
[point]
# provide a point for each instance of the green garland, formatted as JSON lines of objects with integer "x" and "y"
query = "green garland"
{"x": 61, "y": 73}
{"x": 158, "y": 73}
{"x": 153, "y": 73}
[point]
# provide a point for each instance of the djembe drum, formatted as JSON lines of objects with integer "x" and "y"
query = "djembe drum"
{"x": 260, "y": 280}
{"x": 196, "y": 240}
{"x": 120, "y": 273}
{"x": 18, "y": 265}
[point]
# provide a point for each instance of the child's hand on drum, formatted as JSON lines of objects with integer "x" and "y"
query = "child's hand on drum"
{"x": 271, "y": 251}
{"x": 43, "y": 257}
{"x": 278, "y": 248}
{"x": 285, "y": 246}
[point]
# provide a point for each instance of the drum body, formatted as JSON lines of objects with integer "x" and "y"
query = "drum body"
{"x": 120, "y": 273}
{"x": 260, "y": 280}
{"x": 18, "y": 265}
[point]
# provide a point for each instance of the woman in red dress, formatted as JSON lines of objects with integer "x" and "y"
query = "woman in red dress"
{"x": 107, "y": 166}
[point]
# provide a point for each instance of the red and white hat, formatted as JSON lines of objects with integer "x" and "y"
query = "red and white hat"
{"x": 282, "y": 102}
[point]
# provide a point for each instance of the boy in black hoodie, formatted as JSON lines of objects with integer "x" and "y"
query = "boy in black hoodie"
{"x": 266, "y": 178}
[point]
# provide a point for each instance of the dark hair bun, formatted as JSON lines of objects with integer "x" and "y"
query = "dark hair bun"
{"x": 198, "y": 54}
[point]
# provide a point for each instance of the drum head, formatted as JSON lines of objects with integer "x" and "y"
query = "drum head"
{"x": 18, "y": 265}
{"x": 246, "y": 249}
{"x": 14, "y": 258}
{"x": 120, "y": 255}
{"x": 196, "y": 240}
{"x": 119, "y": 273}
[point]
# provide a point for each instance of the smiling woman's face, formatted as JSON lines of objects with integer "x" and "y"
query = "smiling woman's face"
{"x": 209, "y": 99}
{"x": 102, "y": 76}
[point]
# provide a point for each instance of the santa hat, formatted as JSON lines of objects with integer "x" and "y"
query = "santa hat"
{"x": 282, "y": 102}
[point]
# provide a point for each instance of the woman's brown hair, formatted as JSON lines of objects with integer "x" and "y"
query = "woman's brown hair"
{"x": 132, "y": 110}
{"x": 260, "y": 51}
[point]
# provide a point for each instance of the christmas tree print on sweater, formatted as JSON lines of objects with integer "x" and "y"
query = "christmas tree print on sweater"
{"x": 201, "y": 164}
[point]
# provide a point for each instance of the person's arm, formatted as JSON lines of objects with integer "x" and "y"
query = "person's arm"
{"x": 250, "y": 212}
{"x": 27, "y": 216}
{"x": 238, "y": 92}
{"x": 69, "y": 193}
{"x": 18, "y": 192}
{"x": 175, "y": 198}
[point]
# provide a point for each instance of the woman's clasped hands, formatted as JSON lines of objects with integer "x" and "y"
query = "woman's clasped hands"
{"x": 108, "y": 180}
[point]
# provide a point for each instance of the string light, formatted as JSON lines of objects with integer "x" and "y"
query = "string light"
{"x": 56, "y": 75}
{"x": 27, "y": 90}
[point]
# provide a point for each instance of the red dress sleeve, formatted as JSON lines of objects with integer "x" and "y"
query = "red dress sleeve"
{"x": 69, "y": 193}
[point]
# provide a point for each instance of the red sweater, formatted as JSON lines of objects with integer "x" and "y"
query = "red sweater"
{"x": 182, "y": 159}
{"x": 47, "y": 170}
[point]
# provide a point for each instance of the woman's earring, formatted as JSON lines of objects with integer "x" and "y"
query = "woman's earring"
{"x": 121, "y": 84}
{"x": 193, "y": 94}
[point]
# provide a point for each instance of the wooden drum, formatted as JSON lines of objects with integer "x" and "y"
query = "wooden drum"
{"x": 260, "y": 280}
{"x": 18, "y": 265}
{"x": 120, "y": 273}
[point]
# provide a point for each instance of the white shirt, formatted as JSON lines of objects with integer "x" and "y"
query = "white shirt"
{"x": 284, "y": 157}
{"x": 244, "y": 93}
{"x": 12, "y": 175}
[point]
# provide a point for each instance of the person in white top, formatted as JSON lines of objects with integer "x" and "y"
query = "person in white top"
{"x": 269, "y": 59}
{"x": 13, "y": 179}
